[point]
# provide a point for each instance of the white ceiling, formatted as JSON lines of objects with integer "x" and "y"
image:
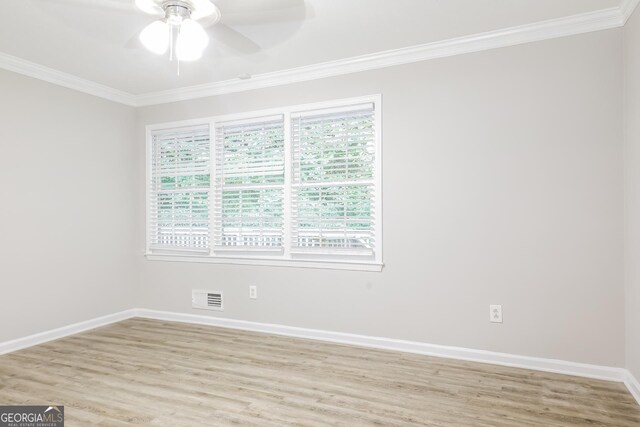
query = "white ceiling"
{"x": 97, "y": 39}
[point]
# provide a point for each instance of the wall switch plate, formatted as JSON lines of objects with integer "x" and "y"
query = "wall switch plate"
{"x": 253, "y": 292}
{"x": 495, "y": 313}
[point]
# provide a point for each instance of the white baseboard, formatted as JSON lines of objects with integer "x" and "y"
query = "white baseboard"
{"x": 504, "y": 359}
{"x": 459, "y": 353}
{"x": 54, "y": 334}
{"x": 633, "y": 385}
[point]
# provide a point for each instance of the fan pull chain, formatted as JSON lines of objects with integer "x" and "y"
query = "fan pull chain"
{"x": 173, "y": 35}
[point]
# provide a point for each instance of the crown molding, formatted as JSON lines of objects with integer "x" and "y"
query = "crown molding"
{"x": 554, "y": 28}
{"x": 566, "y": 26}
{"x": 40, "y": 72}
{"x": 627, "y": 7}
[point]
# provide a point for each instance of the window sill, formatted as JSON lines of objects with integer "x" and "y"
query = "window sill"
{"x": 331, "y": 265}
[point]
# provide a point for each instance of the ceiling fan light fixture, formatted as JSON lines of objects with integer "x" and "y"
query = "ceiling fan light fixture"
{"x": 191, "y": 42}
{"x": 178, "y": 32}
{"x": 156, "y": 37}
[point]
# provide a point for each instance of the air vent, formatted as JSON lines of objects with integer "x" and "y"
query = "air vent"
{"x": 207, "y": 300}
{"x": 214, "y": 300}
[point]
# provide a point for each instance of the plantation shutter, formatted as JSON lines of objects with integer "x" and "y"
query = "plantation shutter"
{"x": 179, "y": 194}
{"x": 333, "y": 183}
{"x": 249, "y": 185}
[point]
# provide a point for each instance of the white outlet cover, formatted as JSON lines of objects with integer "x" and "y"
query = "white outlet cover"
{"x": 253, "y": 292}
{"x": 495, "y": 313}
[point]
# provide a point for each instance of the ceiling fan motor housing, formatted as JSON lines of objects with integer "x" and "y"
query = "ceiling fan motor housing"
{"x": 176, "y": 11}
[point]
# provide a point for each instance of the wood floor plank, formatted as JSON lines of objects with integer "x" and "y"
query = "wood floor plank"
{"x": 147, "y": 372}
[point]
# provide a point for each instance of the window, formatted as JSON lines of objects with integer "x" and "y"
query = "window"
{"x": 249, "y": 188}
{"x": 333, "y": 180}
{"x": 179, "y": 194}
{"x": 291, "y": 186}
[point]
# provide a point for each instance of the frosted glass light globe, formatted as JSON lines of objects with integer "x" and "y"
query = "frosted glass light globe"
{"x": 155, "y": 37}
{"x": 192, "y": 40}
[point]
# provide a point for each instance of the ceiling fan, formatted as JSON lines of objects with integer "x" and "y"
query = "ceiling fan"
{"x": 180, "y": 27}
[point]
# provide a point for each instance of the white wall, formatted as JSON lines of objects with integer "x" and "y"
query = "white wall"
{"x": 632, "y": 191}
{"x": 517, "y": 199}
{"x": 503, "y": 184}
{"x": 67, "y": 206}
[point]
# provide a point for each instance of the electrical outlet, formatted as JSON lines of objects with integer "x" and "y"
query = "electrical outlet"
{"x": 495, "y": 313}
{"x": 253, "y": 292}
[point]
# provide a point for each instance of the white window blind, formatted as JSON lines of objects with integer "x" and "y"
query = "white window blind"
{"x": 296, "y": 186}
{"x": 249, "y": 184}
{"x": 179, "y": 193}
{"x": 333, "y": 206}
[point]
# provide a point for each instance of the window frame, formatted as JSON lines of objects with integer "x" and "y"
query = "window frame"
{"x": 284, "y": 258}
{"x": 244, "y": 250}
{"x": 151, "y": 191}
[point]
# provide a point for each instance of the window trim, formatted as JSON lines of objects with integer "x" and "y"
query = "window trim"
{"x": 285, "y": 257}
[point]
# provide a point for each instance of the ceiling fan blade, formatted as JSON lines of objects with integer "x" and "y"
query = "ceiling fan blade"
{"x": 203, "y": 9}
{"x": 134, "y": 42}
{"x": 255, "y": 6}
{"x": 150, "y": 7}
{"x": 106, "y": 21}
{"x": 251, "y": 12}
{"x": 114, "y": 5}
{"x": 233, "y": 39}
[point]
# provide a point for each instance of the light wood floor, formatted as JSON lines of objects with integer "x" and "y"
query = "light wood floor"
{"x": 171, "y": 374}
